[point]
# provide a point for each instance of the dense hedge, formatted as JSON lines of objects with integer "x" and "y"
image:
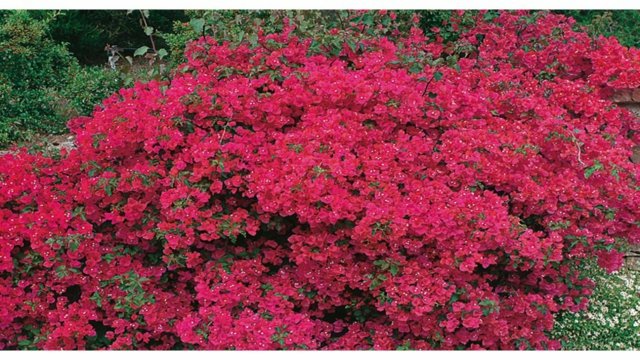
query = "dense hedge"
{"x": 381, "y": 192}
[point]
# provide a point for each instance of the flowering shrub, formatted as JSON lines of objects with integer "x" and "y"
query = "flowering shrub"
{"x": 403, "y": 192}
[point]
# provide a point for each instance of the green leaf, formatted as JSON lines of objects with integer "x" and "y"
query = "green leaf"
{"x": 393, "y": 269}
{"x": 79, "y": 211}
{"x": 74, "y": 245}
{"x": 141, "y": 51}
{"x": 592, "y": 169}
{"x": 162, "y": 53}
{"x": 377, "y": 281}
{"x": 490, "y": 15}
{"x": 415, "y": 68}
{"x": 266, "y": 315}
{"x": 62, "y": 271}
{"x": 253, "y": 40}
{"x": 381, "y": 264}
{"x": 266, "y": 288}
{"x": 437, "y": 75}
{"x": 24, "y": 342}
{"x": 488, "y": 306}
{"x": 96, "y": 298}
{"x": 352, "y": 45}
{"x": 615, "y": 173}
{"x": 148, "y": 30}
{"x": 367, "y": 19}
{"x": 197, "y": 25}
{"x": 383, "y": 298}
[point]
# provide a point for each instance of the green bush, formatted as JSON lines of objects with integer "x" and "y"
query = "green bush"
{"x": 32, "y": 70}
{"x": 612, "y": 321}
{"x": 623, "y": 24}
{"x": 41, "y": 83}
{"x": 88, "y": 86}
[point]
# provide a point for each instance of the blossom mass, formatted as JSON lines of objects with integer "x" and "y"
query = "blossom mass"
{"x": 383, "y": 196}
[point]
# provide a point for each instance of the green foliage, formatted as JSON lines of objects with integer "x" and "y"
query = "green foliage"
{"x": 612, "y": 321}
{"x": 177, "y": 39}
{"x": 430, "y": 19}
{"x": 41, "y": 83}
{"x": 88, "y": 31}
{"x": 592, "y": 169}
{"x": 33, "y": 69}
{"x": 623, "y": 24}
{"x": 88, "y": 86}
{"x": 135, "y": 296}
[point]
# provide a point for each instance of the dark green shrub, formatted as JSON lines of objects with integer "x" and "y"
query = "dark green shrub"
{"x": 41, "y": 83}
{"x": 33, "y": 69}
{"x": 88, "y": 86}
{"x": 623, "y": 24}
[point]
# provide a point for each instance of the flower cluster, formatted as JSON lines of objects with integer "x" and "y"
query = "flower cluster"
{"x": 399, "y": 193}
